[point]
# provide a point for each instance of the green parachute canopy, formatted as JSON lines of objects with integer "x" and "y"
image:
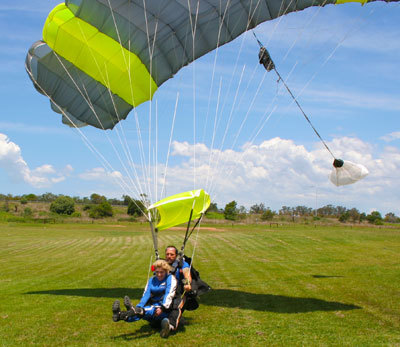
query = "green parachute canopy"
{"x": 177, "y": 209}
{"x": 100, "y": 58}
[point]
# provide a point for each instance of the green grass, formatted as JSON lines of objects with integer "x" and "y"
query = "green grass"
{"x": 291, "y": 285}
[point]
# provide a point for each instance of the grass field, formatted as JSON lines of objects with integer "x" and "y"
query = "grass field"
{"x": 291, "y": 285}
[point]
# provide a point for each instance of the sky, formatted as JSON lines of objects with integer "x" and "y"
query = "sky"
{"x": 223, "y": 123}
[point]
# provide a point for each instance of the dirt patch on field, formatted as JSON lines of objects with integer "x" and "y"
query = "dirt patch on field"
{"x": 202, "y": 228}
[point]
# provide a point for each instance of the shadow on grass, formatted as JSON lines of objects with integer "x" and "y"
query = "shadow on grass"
{"x": 115, "y": 293}
{"x": 145, "y": 331}
{"x": 326, "y": 276}
{"x": 221, "y": 298}
{"x": 270, "y": 302}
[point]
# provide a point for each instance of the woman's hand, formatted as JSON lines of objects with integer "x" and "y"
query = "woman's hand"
{"x": 158, "y": 311}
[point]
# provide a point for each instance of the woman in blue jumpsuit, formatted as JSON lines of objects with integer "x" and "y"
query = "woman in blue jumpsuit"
{"x": 156, "y": 300}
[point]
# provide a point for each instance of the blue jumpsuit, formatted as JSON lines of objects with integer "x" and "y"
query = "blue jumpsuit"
{"x": 156, "y": 294}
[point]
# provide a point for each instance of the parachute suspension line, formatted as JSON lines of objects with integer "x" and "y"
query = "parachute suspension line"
{"x": 187, "y": 230}
{"x": 265, "y": 59}
{"x": 148, "y": 272}
{"x": 302, "y": 29}
{"x": 151, "y": 47}
{"x": 193, "y": 27}
{"x": 169, "y": 147}
{"x": 88, "y": 101}
{"x": 140, "y": 142}
{"x": 104, "y": 162}
{"x": 246, "y": 116}
{"x": 228, "y": 123}
{"x": 127, "y": 153}
{"x": 156, "y": 156}
{"x": 214, "y": 131}
{"x": 198, "y": 223}
{"x": 125, "y": 147}
{"x": 154, "y": 234}
{"x": 213, "y": 71}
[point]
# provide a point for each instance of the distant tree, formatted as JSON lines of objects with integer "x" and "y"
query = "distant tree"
{"x": 354, "y": 215}
{"x": 257, "y": 209}
{"x": 127, "y": 199}
{"x": 268, "y": 214}
{"x": 115, "y": 201}
{"x": 77, "y": 199}
{"x": 363, "y": 217}
{"x": 31, "y": 197}
{"x": 374, "y": 217}
{"x": 97, "y": 199}
{"x": 63, "y": 205}
{"x": 230, "y": 211}
{"x": 213, "y": 207}
{"x": 136, "y": 208}
{"x": 286, "y": 210}
{"x": 23, "y": 201}
{"x": 242, "y": 210}
{"x": 47, "y": 197}
{"x": 344, "y": 217}
{"x": 391, "y": 218}
{"x": 101, "y": 210}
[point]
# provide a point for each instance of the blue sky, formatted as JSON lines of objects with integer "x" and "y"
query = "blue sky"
{"x": 340, "y": 61}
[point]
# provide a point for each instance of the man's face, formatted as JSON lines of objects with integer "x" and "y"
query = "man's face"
{"x": 170, "y": 255}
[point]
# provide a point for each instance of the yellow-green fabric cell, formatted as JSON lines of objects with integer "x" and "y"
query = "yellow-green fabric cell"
{"x": 176, "y": 209}
{"x": 99, "y": 56}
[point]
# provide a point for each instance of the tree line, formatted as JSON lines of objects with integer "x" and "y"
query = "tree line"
{"x": 98, "y": 206}
{"x": 231, "y": 211}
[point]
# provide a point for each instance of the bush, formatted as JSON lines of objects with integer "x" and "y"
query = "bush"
{"x": 63, "y": 205}
{"x": 87, "y": 207}
{"x": 374, "y": 217}
{"x": 230, "y": 211}
{"x": 267, "y": 215}
{"x": 136, "y": 208}
{"x": 76, "y": 214}
{"x": 28, "y": 212}
{"x": 101, "y": 211}
{"x": 24, "y": 201}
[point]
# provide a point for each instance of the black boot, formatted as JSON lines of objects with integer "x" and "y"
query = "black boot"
{"x": 127, "y": 303}
{"x": 116, "y": 310}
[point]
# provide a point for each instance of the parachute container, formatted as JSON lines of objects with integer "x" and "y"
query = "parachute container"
{"x": 346, "y": 172}
{"x": 176, "y": 209}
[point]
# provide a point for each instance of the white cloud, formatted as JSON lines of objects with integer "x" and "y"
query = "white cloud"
{"x": 279, "y": 172}
{"x": 391, "y": 137}
{"x": 100, "y": 174}
{"x": 12, "y": 162}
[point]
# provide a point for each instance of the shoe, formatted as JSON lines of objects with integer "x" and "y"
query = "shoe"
{"x": 127, "y": 303}
{"x": 116, "y": 309}
{"x": 165, "y": 328}
{"x": 124, "y": 315}
{"x": 139, "y": 310}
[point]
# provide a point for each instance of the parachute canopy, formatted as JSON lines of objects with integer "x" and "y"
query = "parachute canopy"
{"x": 346, "y": 172}
{"x": 100, "y": 58}
{"x": 177, "y": 209}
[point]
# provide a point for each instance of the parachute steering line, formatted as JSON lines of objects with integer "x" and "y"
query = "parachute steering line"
{"x": 266, "y": 60}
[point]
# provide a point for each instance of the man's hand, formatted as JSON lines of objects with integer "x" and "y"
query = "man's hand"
{"x": 158, "y": 311}
{"x": 187, "y": 287}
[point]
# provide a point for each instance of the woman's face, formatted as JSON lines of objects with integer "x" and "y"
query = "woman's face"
{"x": 160, "y": 273}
